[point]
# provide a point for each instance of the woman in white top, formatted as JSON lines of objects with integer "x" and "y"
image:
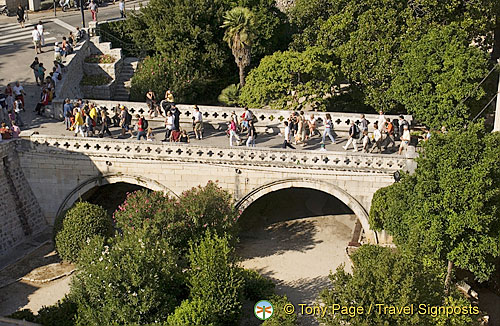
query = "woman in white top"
{"x": 328, "y": 128}
{"x": 311, "y": 123}
{"x": 169, "y": 125}
{"x": 405, "y": 139}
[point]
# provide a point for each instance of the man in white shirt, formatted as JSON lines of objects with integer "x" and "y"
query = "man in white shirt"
{"x": 19, "y": 93}
{"x": 405, "y": 139}
{"x": 36, "y": 40}
{"x": 121, "y": 5}
{"x": 169, "y": 125}
{"x": 286, "y": 143}
{"x": 39, "y": 27}
{"x": 381, "y": 121}
{"x": 377, "y": 138}
{"x": 197, "y": 123}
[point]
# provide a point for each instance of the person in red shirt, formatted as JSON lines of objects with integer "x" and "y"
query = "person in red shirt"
{"x": 43, "y": 102}
{"x": 142, "y": 126}
{"x": 5, "y": 131}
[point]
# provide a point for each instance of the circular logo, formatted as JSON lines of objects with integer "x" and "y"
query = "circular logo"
{"x": 263, "y": 310}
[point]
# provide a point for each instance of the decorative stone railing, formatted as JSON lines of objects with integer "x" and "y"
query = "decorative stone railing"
{"x": 210, "y": 154}
{"x": 269, "y": 118}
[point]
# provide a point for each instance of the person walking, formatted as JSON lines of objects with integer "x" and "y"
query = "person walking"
{"x": 353, "y": 137}
{"x": 363, "y": 123}
{"x": 78, "y": 124}
{"x": 389, "y": 140}
{"x": 286, "y": 142}
{"x": 39, "y": 27}
{"x": 252, "y": 134}
{"x": 67, "y": 111}
{"x": 125, "y": 120}
{"x": 198, "y": 123}
{"x": 169, "y": 125}
{"x": 106, "y": 123}
{"x": 405, "y": 139}
{"x": 93, "y": 10}
{"x": 20, "y": 15}
{"x": 233, "y": 132}
{"x": 19, "y": 92}
{"x": 34, "y": 66}
{"x": 36, "y": 40}
{"x": 121, "y": 5}
{"x": 142, "y": 126}
{"x": 377, "y": 138}
{"x": 328, "y": 129}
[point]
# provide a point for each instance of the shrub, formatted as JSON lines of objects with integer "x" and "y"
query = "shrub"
{"x": 134, "y": 280}
{"x": 80, "y": 223}
{"x": 180, "y": 220}
{"x": 230, "y": 95}
{"x": 214, "y": 279}
{"x": 95, "y": 80}
{"x": 194, "y": 312}
{"x": 280, "y": 318}
{"x": 100, "y": 58}
{"x": 256, "y": 286}
{"x": 24, "y": 314}
{"x": 63, "y": 313}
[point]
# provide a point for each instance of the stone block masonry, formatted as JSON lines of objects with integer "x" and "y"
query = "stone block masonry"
{"x": 20, "y": 212}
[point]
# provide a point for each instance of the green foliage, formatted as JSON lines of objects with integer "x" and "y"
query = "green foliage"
{"x": 449, "y": 208}
{"x": 230, "y": 95}
{"x": 181, "y": 220}
{"x": 256, "y": 286}
{"x": 195, "y": 312}
{"x": 214, "y": 278}
{"x": 280, "y": 318}
{"x": 287, "y": 76}
{"x": 95, "y": 80}
{"x": 383, "y": 276}
{"x": 187, "y": 52}
{"x": 438, "y": 71}
{"x": 81, "y": 223}
{"x": 135, "y": 279}
{"x": 24, "y": 314}
{"x": 63, "y": 313}
{"x": 100, "y": 58}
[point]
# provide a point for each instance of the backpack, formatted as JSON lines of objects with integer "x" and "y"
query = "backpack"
{"x": 145, "y": 124}
{"x": 356, "y": 131}
{"x": 128, "y": 118}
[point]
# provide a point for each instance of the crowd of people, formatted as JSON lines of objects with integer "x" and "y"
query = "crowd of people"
{"x": 299, "y": 129}
{"x": 11, "y": 106}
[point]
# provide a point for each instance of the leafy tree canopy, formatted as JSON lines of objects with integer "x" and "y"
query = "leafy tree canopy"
{"x": 288, "y": 76}
{"x": 449, "y": 209}
{"x": 383, "y": 276}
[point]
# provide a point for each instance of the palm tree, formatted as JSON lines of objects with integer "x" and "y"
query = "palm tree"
{"x": 238, "y": 23}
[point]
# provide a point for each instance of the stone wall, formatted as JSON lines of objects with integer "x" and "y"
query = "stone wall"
{"x": 72, "y": 166}
{"x": 20, "y": 214}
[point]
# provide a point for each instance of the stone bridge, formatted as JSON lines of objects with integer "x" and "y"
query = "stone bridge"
{"x": 60, "y": 170}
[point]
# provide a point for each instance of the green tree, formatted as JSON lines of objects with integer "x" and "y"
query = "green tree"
{"x": 239, "y": 34}
{"x": 286, "y": 77}
{"x": 383, "y": 276}
{"x": 449, "y": 209}
{"x": 183, "y": 219}
{"x": 439, "y": 70}
{"x": 215, "y": 279}
{"x": 134, "y": 279}
{"x": 80, "y": 223}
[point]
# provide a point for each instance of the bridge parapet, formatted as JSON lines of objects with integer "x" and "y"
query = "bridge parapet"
{"x": 221, "y": 155}
{"x": 270, "y": 118}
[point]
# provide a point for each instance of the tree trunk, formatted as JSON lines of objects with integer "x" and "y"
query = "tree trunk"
{"x": 447, "y": 281}
{"x": 242, "y": 75}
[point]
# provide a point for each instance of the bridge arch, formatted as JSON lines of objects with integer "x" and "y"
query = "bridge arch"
{"x": 108, "y": 179}
{"x": 326, "y": 187}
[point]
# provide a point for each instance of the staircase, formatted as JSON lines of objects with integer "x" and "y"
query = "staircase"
{"x": 122, "y": 84}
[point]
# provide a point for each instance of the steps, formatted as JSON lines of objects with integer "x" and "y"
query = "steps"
{"x": 122, "y": 84}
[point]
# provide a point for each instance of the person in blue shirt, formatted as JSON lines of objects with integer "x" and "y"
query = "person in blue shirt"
{"x": 68, "y": 112}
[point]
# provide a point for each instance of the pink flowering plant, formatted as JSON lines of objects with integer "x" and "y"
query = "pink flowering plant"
{"x": 179, "y": 220}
